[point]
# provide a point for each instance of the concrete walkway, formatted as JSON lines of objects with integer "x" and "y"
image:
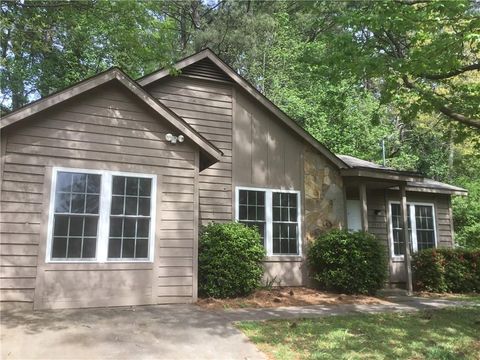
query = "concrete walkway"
{"x": 399, "y": 304}
{"x": 159, "y": 332}
{"x": 145, "y": 332}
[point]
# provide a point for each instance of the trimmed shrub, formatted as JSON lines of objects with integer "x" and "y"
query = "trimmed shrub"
{"x": 352, "y": 263}
{"x": 230, "y": 260}
{"x": 447, "y": 270}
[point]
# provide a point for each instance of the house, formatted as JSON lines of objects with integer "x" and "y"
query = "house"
{"x": 105, "y": 185}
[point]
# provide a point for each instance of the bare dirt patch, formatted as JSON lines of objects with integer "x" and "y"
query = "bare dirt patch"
{"x": 288, "y": 296}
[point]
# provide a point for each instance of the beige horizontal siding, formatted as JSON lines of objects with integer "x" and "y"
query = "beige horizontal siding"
{"x": 379, "y": 224}
{"x": 207, "y": 107}
{"x": 106, "y": 129}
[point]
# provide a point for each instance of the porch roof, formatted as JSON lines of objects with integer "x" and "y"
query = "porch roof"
{"x": 414, "y": 181}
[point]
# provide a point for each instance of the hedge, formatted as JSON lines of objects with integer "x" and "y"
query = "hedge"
{"x": 447, "y": 270}
{"x": 229, "y": 260}
{"x": 348, "y": 262}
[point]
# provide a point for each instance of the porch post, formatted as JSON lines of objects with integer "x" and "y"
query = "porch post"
{"x": 363, "y": 206}
{"x": 406, "y": 238}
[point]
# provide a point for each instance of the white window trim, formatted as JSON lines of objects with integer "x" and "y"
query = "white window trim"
{"x": 269, "y": 217}
{"x": 414, "y": 226}
{"x": 103, "y": 227}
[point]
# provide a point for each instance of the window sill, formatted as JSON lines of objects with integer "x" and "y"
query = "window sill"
{"x": 63, "y": 265}
{"x": 283, "y": 258}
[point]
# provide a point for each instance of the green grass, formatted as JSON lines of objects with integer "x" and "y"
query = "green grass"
{"x": 464, "y": 297}
{"x": 437, "y": 334}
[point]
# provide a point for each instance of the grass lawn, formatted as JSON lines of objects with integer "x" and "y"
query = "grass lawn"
{"x": 461, "y": 297}
{"x": 437, "y": 334}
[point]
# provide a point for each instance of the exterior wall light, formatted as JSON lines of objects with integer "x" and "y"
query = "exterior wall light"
{"x": 173, "y": 139}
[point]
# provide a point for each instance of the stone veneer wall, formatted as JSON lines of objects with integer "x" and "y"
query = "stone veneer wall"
{"x": 324, "y": 200}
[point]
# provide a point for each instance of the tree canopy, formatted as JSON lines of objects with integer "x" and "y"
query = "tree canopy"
{"x": 352, "y": 73}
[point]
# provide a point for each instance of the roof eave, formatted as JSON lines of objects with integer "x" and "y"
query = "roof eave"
{"x": 381, "y": 174}
{"x": 110, "y": 75}
{"x": 432, "y": 190}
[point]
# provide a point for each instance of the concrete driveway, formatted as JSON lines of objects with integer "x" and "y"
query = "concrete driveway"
{"x": 146, "y": 332}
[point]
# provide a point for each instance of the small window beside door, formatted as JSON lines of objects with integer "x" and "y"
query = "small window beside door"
{"x": 421, "y": 228}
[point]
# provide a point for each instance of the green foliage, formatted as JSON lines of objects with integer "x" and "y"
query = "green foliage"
{"x": 350, "y": 72}
{"x": 443, "y": 334}
{"x": 466, "y": 210}
{"x": 447, "y": 270}
{"x": 49, "y": 45}
{"x": 348, "y": 262}
{"x": 230, "y": 260}
{"x": 422, "y": 56}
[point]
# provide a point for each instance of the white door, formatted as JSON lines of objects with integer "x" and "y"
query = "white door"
{"x": 354, "y": 217}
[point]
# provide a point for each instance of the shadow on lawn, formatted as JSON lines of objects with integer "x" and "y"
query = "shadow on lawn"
{"x": 428, "y": 334}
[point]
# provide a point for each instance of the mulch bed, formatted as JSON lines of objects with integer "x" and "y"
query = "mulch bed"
{"x": 288, "y": 296}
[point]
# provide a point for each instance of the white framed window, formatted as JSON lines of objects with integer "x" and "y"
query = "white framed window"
{"x": 421, "y": 228}
{"x": 100, "y": 216}
{"x": 276, "y": 214}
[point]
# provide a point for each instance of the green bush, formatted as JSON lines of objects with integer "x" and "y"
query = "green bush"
{"x": 230, "y": 260}
{"x": 348, "y": 262}
{"x": 447, "y": 270}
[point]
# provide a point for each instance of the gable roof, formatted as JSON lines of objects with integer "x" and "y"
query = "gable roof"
{"x": 212, "y": 153}
{"x": 250, "y": 89}
{"x": 415, "y": 181}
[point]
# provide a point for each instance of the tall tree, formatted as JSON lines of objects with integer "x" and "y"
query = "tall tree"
{"x": 424, "y": 55}
{"x": 48, "y": 45}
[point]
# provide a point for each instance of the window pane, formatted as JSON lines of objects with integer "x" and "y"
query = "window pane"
{"x": 74, "y": 247}
{"x": 242, "y": 212}
{"x": 129, "y": 228}
{"x": 116, "y": 227}
{"x": 79, "y": 183}
{"x": 117, "y": 205}
{"x": 252, "y": 197}
{"x": 285, "y": 225}
{"x": 276, "y": 199}
{"x": 252, "y": 213}
{"x": 276, "y": 214}
{"x": 114, "y": 247}
{"x": 128, "y": 248}
{"x": 144, "y": 206}
{"x": 145, "y": 187}
{"x": 93, "y": 204}
{"x": 424, "y": 223}
{"x": 142, "y": 248}
{"x": 130, "y": 202}
{"x": 62, "y": 203}
{"x": 261, "y": 213}
{"x": 131, "y": 206}
{"x": 70, "y": 231}
{"x": 242, "y": 197}
{"x": 60, "y": 227}
{"x": 76, "y": 226}
{"x": 132, "y": 186}
{"x": 64, "y": 182}
{"x": 93, "y": 184}
{"x": 143, "y": 227}
{"x": 293, "y": 200}
{"x": 118, "y": 185}
{"x": 78, "y": 203}
{"x": 90, "y": 226}
{"x": 89, "y": 248}
{"x": 293, "y": 214}
{"x": 59, "y": 247}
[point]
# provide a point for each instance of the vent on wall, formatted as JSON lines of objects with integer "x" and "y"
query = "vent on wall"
{"x": 205, "y": 69}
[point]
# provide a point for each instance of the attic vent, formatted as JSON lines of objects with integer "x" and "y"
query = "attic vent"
{"x": 206, "y": 69}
